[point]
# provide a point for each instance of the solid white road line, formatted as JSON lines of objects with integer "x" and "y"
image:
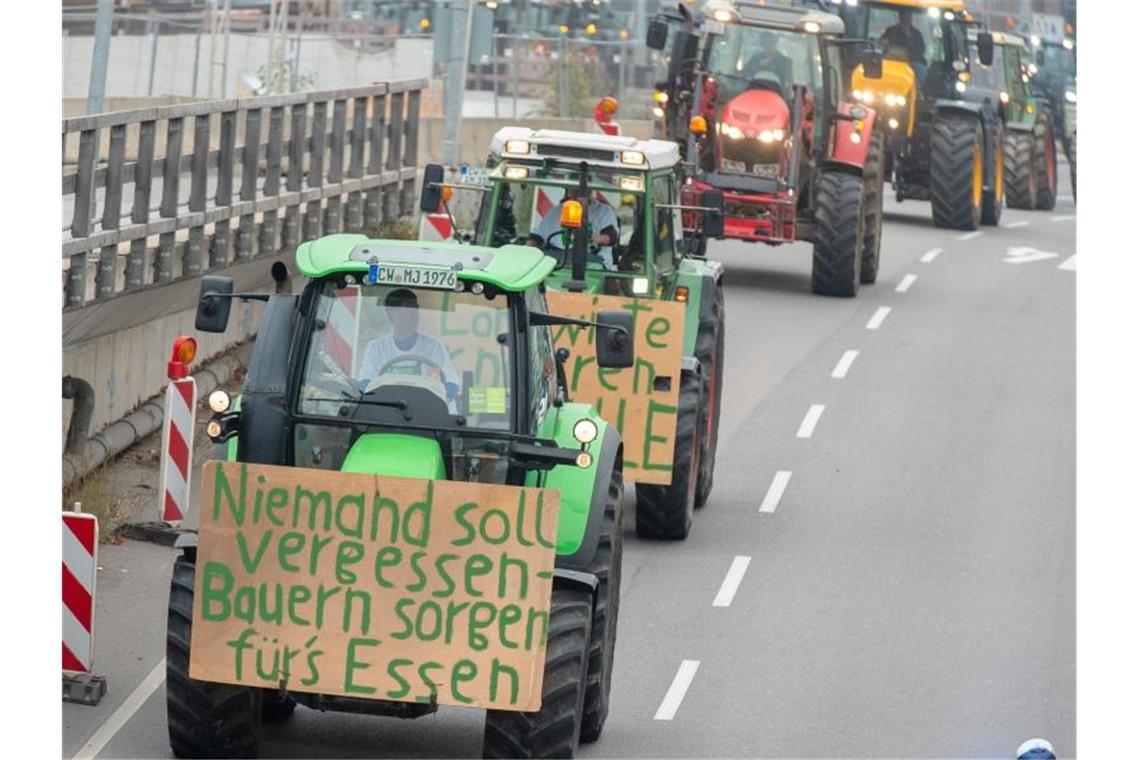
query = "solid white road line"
{"x": 971, "y": 235}
{"x": 877, "y": 318}
{"x": 677, "y": 690}
{"x": 118, "y": 719}
{"x": 731, "y": 581}
{"x": 807, "y": 427}
{"x": 775, "y": 492}
{"x": 844, "y": 364}
{"x": 1062, "y": 218}
{"x": 1069, "y": 264}
{"x": 906, "y": 282}
{"x": 930, "y": 255}
{"x": 1015, "y": 225}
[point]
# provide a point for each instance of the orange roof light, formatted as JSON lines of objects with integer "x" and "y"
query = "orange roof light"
{"x": 571, "y": 216}
{"x": 698, "y": 125}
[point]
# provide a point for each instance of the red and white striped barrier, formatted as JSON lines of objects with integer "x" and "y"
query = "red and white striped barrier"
{"x": 436, "y": 228}
{"x": 177, "y": 449}
{"x": 80, "y": 548}
{"x": 339, "y": 337}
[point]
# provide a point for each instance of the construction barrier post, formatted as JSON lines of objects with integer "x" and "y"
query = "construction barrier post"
{"x": 80, "y": 554}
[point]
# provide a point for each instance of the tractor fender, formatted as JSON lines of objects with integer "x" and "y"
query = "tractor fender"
{"x": 1018, "y": 126}
{"x": 264, "y": 419}
{"x": 575, "y": 579}
{"x": 843, "y": 149}
{"x": 832, "y": 164}
{"x": 702, "y": 277}
{"x": 960, "y": 106}
{"x": 603, "y": 463}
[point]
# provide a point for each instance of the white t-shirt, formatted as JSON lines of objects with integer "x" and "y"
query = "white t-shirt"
{"x": 381, "y": 351}
{"x": 600, "y": 215}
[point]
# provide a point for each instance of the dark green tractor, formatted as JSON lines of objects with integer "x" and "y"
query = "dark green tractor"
{"x": 1054, "y": 69}
{"x": 434, "y": 362}
{"x": 632, "y": 246}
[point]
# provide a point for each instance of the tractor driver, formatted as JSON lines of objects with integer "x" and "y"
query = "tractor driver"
{"x": 405, "y": 350}
{"x": 603, "y": 226}
{"x": 904, "y": 41}
{"x": 769, "y": 60}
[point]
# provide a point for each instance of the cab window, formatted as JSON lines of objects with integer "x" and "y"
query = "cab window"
{"x": 543, "y": 380}
{"x": 664, "y": 242}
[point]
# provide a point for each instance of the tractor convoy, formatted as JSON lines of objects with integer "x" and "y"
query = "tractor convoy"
{"x": 417, "y": 497}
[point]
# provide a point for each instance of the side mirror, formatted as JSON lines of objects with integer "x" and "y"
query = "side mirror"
{"x": 214, "y": 304}
{"x": 657, "y": 34}
{"x": 613, "y": 339}
{"x": 986, "y": 48}
{"x": 873, "y": 65}
{"x": 712, "y": 222}
{"x": 432, "y": 193}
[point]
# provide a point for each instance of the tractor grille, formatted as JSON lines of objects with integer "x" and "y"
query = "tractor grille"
{"x": 570, "y": 151}
{"x": 748, "y": 156}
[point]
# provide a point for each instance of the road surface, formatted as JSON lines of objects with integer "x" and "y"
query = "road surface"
{"x": 886, "y": 566}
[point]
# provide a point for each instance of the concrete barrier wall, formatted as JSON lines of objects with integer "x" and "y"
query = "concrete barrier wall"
{"x": 334, "y": 64}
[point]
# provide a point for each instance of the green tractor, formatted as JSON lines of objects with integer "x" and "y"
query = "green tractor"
{"x": 1054, "y": 69}
{"x": 1028, "y": 161}
{"x": 605, "y": 208}
{"x": 431, "y": 362}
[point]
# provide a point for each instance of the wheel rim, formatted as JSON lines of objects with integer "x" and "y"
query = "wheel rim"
{"x": 978, "y": 177}
{"x": 999, "y": 177}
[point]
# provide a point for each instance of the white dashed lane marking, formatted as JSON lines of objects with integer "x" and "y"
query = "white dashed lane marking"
{"x": 1015, "y": 225}
{"x": 1069, "y": 264}
{"x": 732, "y": 581}
{"x": 930, "y": 255}
{"x": 877, "y": 318}
{"x": 1062, "y": 218}
{"x": 775, "y": 492}
{"x": 971, "y": 235}
{"x": 673, "y": 698}
{"x": 906, "y": 282}
{"x": 844, "y": 364}
{"x": 811, "y": 419}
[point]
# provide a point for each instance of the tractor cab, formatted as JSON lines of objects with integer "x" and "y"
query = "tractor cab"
{"x": 925, "y": 56}
{"x": 602, "y": 206}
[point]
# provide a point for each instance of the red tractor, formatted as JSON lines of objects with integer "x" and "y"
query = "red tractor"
{"x": 755, "y": 96}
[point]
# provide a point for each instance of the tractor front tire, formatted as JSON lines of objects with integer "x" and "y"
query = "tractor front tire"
{"x": 606, "y": 566}
{"x": 1046, "y": 147}
{"x": 957, "y": 156}
{"x": 553, "y": 730}
{"x": 872, "y": 209}
{"x": 666, "y": 512}
{"x": 204, "y": 719}
{"x": 1073, "y": 165}
{"x": 993, "y": 200}
{"x": 710, "y": 353}
{"x": 837, "y": 253}
{"x": 1020, "y": 170}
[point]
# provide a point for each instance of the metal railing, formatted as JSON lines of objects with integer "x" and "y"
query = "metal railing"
{"x": 332, "y": 161}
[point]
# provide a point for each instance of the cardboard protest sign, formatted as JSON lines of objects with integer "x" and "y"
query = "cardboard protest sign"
{"x": 375, "y": 587}
{"x": 641, "y": 400}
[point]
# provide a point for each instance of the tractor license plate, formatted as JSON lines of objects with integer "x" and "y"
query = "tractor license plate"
{"x": 733, "y": 166}
{"x": 770, "y": 171}
{"x": 420, "y": 277}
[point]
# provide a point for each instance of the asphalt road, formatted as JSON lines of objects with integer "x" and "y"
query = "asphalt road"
{"x": 909, "y": 592}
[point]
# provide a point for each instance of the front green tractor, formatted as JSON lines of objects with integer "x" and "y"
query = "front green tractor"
{"x": 432, "y": 362}
{"x": 606, "y": 209}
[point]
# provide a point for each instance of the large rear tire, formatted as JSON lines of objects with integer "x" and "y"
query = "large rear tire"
{"x": 1020, "y": 171}
{"x": 606, "y": 565}
{"x": 872, "y": 209}
{"x": 204, "y": 719}
{"x": 1073, "y": 165}
{"x": 666, "y": 512}
{"x": 1046, "y": 147}
{"x": 957, "y": 153}
{"x": 837, "y": 254}
{"x": 710, "y": 353}
{"x": 993, "y": 200}
{"x": 553, "y": 730}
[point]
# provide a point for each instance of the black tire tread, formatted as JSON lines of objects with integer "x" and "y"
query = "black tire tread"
{"x": 204, "y": 719}
{"x": 992, "y": 205}
{"x": 954, "y": 138}
{"x": 1045, "y": 139}
{"x": 872, "y": 209}
{"x": 551, "y": 731}
{"x": 1020, "y": 171}
{"x": 835, "y": 267}
{"x": 666, "y": 512}
{"x": 710, "y": 353}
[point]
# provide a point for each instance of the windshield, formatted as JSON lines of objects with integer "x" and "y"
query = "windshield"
{"x": 528, "y": 213}
{"x": 747, "y": 53}
{"x": 392, "y": 355}
{"x": 905, "y": 34}
{"x": 1059, "y": 64}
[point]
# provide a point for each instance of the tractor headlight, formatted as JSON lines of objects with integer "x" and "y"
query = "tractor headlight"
{"x": 732, "y": 132}
{"x": 640, "y": 288}
{"x": 219, "y": 401}
{"x": 585, "y": 431}
{"x": 633, "y": 157}
{"x": 893, "y": 123}
{"x": 1070, "y": 96}
{"x": 214, "y": 429}
{"x": 518, "y": 147}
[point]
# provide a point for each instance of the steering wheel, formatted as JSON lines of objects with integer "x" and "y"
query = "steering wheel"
{"x": 438, "y": 387}
{"x": 593, "y": 251}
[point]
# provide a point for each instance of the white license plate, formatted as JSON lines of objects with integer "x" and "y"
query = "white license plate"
{"x": 419, "y": 277}
{"x": 766, "y": 170}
